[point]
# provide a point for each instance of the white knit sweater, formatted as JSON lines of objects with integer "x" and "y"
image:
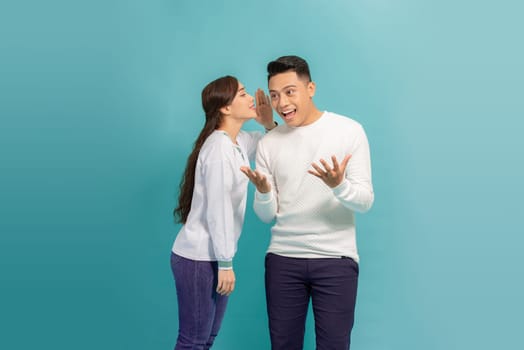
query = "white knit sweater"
{"x": 313, "y": 220}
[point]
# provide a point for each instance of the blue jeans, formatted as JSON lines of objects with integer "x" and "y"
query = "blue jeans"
{"x": 200, "y": 308}
{"x": 330, "y": 284}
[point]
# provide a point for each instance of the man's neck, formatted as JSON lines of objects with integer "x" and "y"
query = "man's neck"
{"x": 313, "y": 116}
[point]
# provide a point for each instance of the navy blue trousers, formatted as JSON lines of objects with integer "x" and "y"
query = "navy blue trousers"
{"x": 330, "y": 284}
{"x": 200, "y": 308}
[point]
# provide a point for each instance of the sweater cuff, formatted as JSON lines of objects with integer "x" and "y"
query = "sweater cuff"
{"x": 225, "y": 265}
{"x": 341, "y": 187}
{"x": 263, "y": 197}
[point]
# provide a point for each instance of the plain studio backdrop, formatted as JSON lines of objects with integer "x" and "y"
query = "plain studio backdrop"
{"x": 100, "y": 105}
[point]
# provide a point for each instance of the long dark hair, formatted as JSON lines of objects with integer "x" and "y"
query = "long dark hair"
{"x": 217, "y": 94}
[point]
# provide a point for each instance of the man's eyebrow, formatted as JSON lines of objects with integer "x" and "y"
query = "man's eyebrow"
{"x": 285, "y": 87}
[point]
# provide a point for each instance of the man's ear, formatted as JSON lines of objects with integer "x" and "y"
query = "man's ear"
{"x": 311, "y": 88}
{"x": 226, "y": 110}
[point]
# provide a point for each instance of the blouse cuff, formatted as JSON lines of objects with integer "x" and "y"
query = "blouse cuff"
{"x": 225, "y": 265}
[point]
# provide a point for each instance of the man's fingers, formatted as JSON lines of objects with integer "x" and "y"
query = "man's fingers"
{"x": 335, "y": 163}
{"x": 326, "y": 165}
{"x": 315, "y": 173}
{"x": 345, "y": 161}
{"x": 320, "y": 171}
{"x": 336, "y": 166}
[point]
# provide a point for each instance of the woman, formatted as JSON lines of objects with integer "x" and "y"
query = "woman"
{"x": 211, "y": 207}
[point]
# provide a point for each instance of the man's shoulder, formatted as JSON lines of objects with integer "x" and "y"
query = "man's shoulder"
{"x": 275, "y": 133}
{"x": 340, "y": 120}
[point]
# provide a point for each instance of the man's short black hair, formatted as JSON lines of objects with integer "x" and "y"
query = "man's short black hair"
{"x": 288, "y": 64}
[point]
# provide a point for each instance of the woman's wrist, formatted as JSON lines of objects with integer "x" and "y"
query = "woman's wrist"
{"x": 274, "y": 125}
{"x": 225, "y": 265}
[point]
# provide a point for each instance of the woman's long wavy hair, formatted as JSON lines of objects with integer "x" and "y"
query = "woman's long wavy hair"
{"x": 217, "y": 94}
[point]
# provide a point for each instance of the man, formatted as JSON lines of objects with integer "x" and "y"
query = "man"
{"x": 312, "y": 174}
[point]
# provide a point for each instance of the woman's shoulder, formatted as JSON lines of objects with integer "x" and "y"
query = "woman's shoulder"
{"x": 245, "y": 137}
{"x": 218, "y": 138}
{"x": 216, "y": 145}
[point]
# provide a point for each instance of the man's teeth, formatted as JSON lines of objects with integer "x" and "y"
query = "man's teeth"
{"x": 287, "y": 112}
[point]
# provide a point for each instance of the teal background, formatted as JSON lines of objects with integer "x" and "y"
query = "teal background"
{"x": 100, "y": 105}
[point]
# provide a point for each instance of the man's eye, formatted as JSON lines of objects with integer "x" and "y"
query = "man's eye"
{"x": 273, "y": 96}
{"x": 290, "y": 92}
